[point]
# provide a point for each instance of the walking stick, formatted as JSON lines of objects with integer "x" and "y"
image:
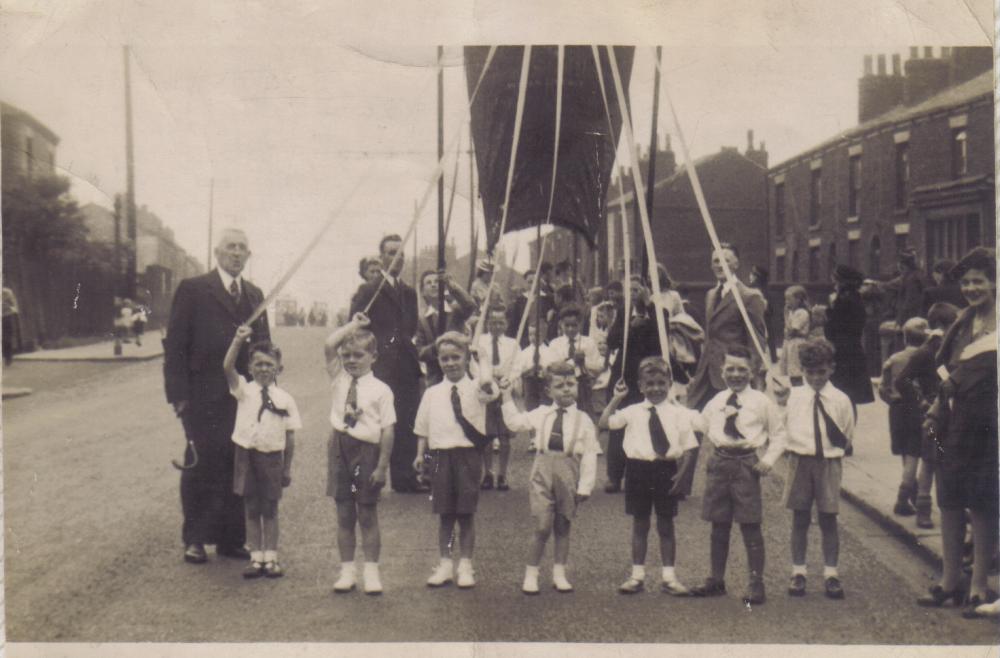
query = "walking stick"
{"x": 194, "y": 459}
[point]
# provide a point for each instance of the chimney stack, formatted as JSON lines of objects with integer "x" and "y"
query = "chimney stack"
{"x": 925, "y": 78}
{"x": 749, "y": 140}
{"x": 877, "y": 94}
{"x": 897, "y": 68}
{"x": 914, "y": 52}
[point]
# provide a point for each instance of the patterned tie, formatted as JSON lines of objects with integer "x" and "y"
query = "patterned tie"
{"x": 833, "y": 432}
{"x": 556, "y": 434}
{"x": 730, "y": 427}
{"x": 266, "y": 403}
{"x": 351, "y": 404}
{"x": 234, "y": 291}
{"x": 477, "y": 438}
{"x": 656, "y": 432}
{"x": 496, "y": 350}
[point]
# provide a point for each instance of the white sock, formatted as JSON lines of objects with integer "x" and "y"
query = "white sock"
{"x": 446, "y": 562}
{"x": 270, "y": 556}
{"x": 371, "y": 566}
{"x": 257, "y": 556}
{"x": 559, "y": 571}
{"x": 465, "y": 564}
{"x": 668, "y": 575}
{"x": 798, "y": 569}
{"x": 830, "y": 572}
{"x": 531, "y": 571}
{"x": 347, "y": 567}
{"x": 639, "y": 571}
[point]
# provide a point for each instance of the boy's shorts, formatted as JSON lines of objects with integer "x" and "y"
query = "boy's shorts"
{"x": 812, "y": 478}
{"x": 258, "y": 474}
{"x": 495, "y": 426}
{"x": 732, "y": 488}
{"x": 647, "y": 486}
{"x": 455, "y": 480}
{"x": 905, "y": 435}
{"x": 350, "y": 465}
{"x": 552, "y": 490}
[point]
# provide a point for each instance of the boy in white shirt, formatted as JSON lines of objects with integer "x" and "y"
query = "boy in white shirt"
{"x": 564, "y": 470}
{"x": 264, "y": 434}
{"x": 581, "y": 351}
{"x": 496, "y": 352}
{"x": 820, "y": 424}
{"x": 738, "y": 422}
{"x": 363, "y": 417}
{"x": 451, "y": 421}
{"x": 659, "y": 446}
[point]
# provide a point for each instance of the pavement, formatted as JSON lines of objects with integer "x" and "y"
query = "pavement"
{"x": 151, "y": 348}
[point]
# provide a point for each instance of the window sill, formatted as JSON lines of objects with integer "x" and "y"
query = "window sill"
{"x": 814, "y": 227}
{"x": 853, "y": 219}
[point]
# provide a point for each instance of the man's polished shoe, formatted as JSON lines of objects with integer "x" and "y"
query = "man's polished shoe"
{"x": 834, "y": 590}
{"x": 487, "y": 484}
{"x": 612, "y": 488}
{"x": 755, "y": 593}
{"x": 195, "y": 554}
{"x": 711, "y": 587}
{"x": 236, "y": 552}
{"x": 798, "y": 586}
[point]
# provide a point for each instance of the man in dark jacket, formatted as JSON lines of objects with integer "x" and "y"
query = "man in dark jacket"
{"x": 205, "y": 313}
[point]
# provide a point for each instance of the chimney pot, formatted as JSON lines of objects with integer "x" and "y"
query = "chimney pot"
{"x": 945, "y": 52}
{"x": 749, "y": 140}
{"x": 928, "y": 52}
{"x": 881, "y": 64}
{"x": 868, "y": 64}
{"x": 914, "y": 52}
{"x": 897, "y": 68}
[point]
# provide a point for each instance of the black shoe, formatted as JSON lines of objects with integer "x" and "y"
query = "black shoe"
{"x": 798, "y": 585}
{"x": 834, "y": 590}
{"x": 421, "y": 487}
{"x": 253, "y": 570}
{"x": 195, "y": 554}
{"x": 235, "y": 552}
{"x": 711, "y": 587}
{"x": 487, "y": 482}
{"x": 612, "y": 488}
{"x": 937, "y": 597}
{"x": 502, "y": 483}
{"x": 755, "y": 593}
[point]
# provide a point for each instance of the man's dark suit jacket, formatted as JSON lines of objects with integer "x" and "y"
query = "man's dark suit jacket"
{"x": 393, "y": 318}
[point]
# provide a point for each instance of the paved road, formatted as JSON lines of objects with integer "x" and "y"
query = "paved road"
{"x": 93, "y": 548}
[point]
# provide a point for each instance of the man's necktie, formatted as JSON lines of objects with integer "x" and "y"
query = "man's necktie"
{"x": 266, "y": 403}
{"x": 571, "y": 351}
{"x": 351, "y": 404}
{"x": 496, "y": 350}
{"x": 234, "y": 291}
{"x": 833, "y": 432}
{"x": 730, "y": 427}
{"x": 658, "y": 435}
{"x": 556, "y": 434}
{"x": 477, "y": 438}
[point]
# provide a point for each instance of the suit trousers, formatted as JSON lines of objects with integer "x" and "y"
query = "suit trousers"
{"x": 404, "y": 447}
{"x": 213, "y": 513}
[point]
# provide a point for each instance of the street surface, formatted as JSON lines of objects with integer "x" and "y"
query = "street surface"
{"x": 93, "y": 549}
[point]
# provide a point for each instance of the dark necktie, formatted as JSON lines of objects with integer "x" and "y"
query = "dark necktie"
{"x": 556, "y": 434}
{"x": 477, "y": 438}
{"x": 496, "y": 350}
{"x": 234, "y": 291}
{"x": 351, "y": 404}
{"x": 266, "y": 403}
{"x": 571, "y": 351}
{"x": 658, "y": 435}
{"x": 730, "y": 427}
{"x": 837, "y": 438}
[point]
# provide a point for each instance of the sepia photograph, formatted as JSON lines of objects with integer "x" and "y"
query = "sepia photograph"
{"x": 481, "y": 328}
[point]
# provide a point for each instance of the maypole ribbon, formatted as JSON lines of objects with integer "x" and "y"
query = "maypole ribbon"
{"x": 552, "y": 195}
{"x": 643, "y": 211}
{"x": 626, "y": 236}
{"x": 438, "y": 172}
{"x": 731, "y": 280}
{"x": 522, "y": 89}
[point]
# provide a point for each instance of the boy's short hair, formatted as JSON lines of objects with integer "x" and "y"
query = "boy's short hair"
{"x": 915, "y": 332}
{"x": 570, "y": 311}
{"x": 265, "y": 347}
{"x": 739, "y": 351}
{"x": 424, "y": 275}
{"x": 654, "y": 365}
{"x": 454, "y": 338}
{"x": 614, "y": 285}
{"x": 392, "y": 237}
{"x": 941, "y": 315}
{"x": 816, "y": 353}
{"x": 363, "y": 338}
{"x": 559, "y": 369}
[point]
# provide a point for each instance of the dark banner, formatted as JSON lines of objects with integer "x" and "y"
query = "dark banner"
{"x": 586, "y": 154}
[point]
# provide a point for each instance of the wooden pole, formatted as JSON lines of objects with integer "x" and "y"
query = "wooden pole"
{"x": 473, "y": 238}
{"x": 440, "y": 151}
{"x": 651, "y": 176}
{"x": 130, "y": 273}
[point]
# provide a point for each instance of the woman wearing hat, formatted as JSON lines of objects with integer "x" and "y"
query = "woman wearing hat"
{"x": 963, "y": 421}
{"x": 845, "y": 324}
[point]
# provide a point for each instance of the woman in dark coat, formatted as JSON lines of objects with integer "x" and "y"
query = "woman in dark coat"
{"x": 845, "y": 325}
{"x": 964, "y": 422}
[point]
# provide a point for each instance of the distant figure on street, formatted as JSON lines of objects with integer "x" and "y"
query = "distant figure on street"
{"x": 139, "y": 319}
{"x": 11, "y": 314}
{"x": 205, "y": 313}
{"x": 796, "y": 333}
{"x": 845, "y": 325}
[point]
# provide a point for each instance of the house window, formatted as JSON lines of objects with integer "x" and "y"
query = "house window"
{"x": 875, "y": 257}
{"x": 779, "y": 209}
{"x": 795, "y": 267}
{"x": 902, "y": 173}
{"x": 854, "y": 186}
{"x": 813, "y": 263}
{"x": 952, "y": 237}
{"x": 815, "y": 196}
{"x": 902, "y": 241}
{"x": 779, "y": 268}
{"x": 959, "y": 153}
{"x": 831, "y": 258}
{"x": 852, "y": 253}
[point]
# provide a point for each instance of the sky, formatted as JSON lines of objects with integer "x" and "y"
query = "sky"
{"x": 285, "y": 109}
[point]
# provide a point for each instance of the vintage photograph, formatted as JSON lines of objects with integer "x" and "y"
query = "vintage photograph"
{"x": 459, "y": 324}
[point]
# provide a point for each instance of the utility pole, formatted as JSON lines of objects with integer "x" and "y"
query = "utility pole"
{"x": 651, "y": 177}
{"x": 130, "y": 274}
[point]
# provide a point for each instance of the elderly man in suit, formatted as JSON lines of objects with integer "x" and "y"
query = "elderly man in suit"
{"x": 724, "y": 326}
{"x": 393, "y": 316}
{"x": 205, "y": 313}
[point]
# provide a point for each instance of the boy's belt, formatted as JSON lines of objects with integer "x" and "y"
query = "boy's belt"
{"x": 734, "y": 452}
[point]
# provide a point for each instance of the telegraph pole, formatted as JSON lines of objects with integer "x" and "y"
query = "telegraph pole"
{"x": 130, "y": 273}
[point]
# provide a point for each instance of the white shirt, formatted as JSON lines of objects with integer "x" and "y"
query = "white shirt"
{"x": 508, "y": 352}
{"x": 227, "y": 279}
{"x": 436, "y": 419}
{"x": 525, "y": 359}
{"x": 759, "y": 420}
{"x": 579, "y": 436}
{"x": 376, "y": 409}
{"x": 800, "y": 437}
{"x": 592, "y": 359}
{"x": 267, "y": 434}
{"x": 679, "y": 424}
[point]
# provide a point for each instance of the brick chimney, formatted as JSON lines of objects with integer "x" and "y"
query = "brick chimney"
{"x": 879, "y": 92}
{"x": 966, "y": 62}
{"x": 757, "y": 155}
{"x": 925, "y": 77}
